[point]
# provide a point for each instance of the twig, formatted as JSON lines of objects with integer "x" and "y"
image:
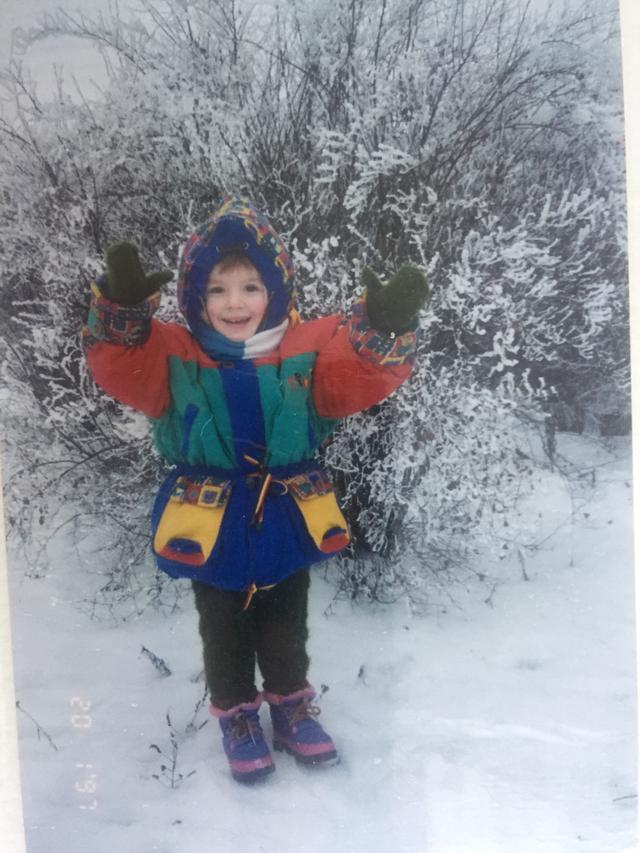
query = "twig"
{"x": 192, "y": 726}
{"x": 489, "y": 599}
{"x": 39, "y": 729}
{"x": 158, "y": 662}
{"x": 168, "y": 772}
{"x": 521, "y": 560}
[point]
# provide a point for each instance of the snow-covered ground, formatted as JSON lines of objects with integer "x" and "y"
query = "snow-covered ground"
{"x": 504, "y": 721}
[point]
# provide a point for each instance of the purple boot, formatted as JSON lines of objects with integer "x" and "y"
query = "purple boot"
{"x": 296, "y": 730}
{"x": 243, "y": 741}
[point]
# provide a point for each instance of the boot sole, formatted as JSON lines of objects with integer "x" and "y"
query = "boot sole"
{"x": 254, "y": 776}
{"x": 307, "y": 760}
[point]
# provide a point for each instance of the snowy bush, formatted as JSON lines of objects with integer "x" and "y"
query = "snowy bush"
{"x": 475, "y": 138}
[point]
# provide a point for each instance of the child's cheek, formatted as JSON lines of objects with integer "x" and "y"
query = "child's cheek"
{"x": 207, "y": 313}
{"x": 265, "y": 303}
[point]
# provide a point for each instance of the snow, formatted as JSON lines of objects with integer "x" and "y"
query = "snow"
{"x": 501, "y": 720}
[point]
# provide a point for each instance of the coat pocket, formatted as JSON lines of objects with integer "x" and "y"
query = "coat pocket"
{"x": 314, "y": 496}
{"x": 189, "y": 524}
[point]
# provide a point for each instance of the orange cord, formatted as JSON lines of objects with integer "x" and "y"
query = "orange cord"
{"x": 257, "y": 514}
{"x": 264, "y": 488}
{"x": 251, "y": 591}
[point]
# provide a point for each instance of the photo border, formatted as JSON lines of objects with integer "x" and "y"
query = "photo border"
{"x": 11, "y": 811}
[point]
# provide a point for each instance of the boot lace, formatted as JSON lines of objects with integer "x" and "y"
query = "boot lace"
{"x": 304, "y": 710}
{"x": 245, "y": 727}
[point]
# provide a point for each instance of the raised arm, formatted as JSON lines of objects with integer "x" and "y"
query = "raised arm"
{"x": 126, "y": 350}
{"x": 373, "y": 352}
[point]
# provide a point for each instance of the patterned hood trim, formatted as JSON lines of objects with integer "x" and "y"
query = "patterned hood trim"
{"x": 236, "y": 227}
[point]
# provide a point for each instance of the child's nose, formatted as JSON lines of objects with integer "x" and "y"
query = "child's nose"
{"x": 234, "y": 298}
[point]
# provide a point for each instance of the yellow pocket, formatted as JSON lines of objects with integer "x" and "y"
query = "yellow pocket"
{"x": 190, "y": 523}
{"x": 316, "y": 500}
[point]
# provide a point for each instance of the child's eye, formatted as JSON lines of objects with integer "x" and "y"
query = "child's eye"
{"x": 253, "y": 288}
{"x": 214, "y": 289}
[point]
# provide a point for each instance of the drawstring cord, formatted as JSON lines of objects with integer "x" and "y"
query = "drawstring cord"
{"x": 267, "y": 480}
{"x": 258, "y": 513}
{"x": 251, "y": 591}
{"x": 256, "y": 519}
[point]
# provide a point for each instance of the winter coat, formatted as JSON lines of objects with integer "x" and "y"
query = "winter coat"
{"x": 245, "y": 503}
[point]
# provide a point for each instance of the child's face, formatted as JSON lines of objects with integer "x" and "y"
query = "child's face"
{"x": 235, "y": 301}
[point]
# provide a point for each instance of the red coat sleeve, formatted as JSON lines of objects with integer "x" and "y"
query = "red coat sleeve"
{"x": 359, "y": 366}
{"x": 127, "y": 352}
{"x": 135, "y": 375}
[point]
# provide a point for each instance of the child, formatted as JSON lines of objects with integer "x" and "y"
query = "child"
{"x": 239, "y": 403}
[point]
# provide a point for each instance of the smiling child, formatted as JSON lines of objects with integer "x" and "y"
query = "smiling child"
{"x": 239, "y": 403}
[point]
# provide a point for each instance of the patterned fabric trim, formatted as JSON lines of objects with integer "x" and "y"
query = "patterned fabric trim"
{"x": 310, "y": 484}
{"x": 377, "y": 347}
{"x": 205, "y": 491}
{"x": 126, "y": 325}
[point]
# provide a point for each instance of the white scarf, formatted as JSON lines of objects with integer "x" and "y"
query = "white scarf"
{"x": 265, "y": 342}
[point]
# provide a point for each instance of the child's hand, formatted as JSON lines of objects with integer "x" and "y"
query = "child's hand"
{"x": 394, "y": 308}
{"x": 127, "y": 283}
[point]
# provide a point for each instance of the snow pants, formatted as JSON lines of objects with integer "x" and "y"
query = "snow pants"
{"x": 272, "y": 630}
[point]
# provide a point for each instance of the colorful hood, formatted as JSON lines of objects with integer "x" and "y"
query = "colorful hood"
{"x": 236, "y": 227}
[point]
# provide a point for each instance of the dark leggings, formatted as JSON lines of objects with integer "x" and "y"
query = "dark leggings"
{"x": 273, "y": 629}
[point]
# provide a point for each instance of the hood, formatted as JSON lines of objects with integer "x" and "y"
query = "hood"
{"x": 236, "y": 227}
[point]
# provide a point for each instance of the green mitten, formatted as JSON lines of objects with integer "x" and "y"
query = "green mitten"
{"x": 394, "y": 308}
{"x": 127, "y": 283}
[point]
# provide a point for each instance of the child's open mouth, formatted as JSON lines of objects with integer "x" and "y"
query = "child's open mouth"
{"x": 238, "y": 328}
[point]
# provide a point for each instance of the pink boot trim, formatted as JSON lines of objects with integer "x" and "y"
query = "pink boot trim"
{"x": 307, "y": 749}
{"x": 232, "y": 712}
{"x": 278, "y": 699}
{"x": 249, "y": 765}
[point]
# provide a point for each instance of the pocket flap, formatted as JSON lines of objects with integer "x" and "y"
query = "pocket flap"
{"x": 208, "y": 492}
{"x": 309, "y": 485}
